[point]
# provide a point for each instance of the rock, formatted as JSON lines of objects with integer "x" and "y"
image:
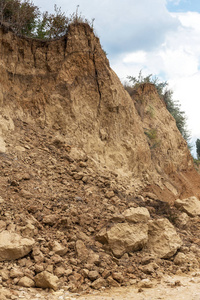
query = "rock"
{"x": 163, "y": 239}
{"x": 125, "y": 237}
{"x": 150, "y": 268}
{"x": 112, "y": 282}
{"x": 59, "y": 271}
{"x": 99, "y": 283}
{"x": 13, "y": 246}
{"x": 68, "y": 272}
{"x": 2, "y": 225}
{"x": 4, "y": 274}
{"x": 93, "y": 258}
{"x": 46, "y": 280}
{"x": 136, "y": 215}
{"x": 117, "y": 218}
{"x": 180, "y": 259}
{"x": 109, "y": 194}
{"x": 50, "y": 219}
{"x": 182, "y": 219}
{"x": 81, "y": 250}
{"x": 59, "y": 249}
{"x": 118, "y": 276}
{"x": 93, "y": 275}
{"x": 102, "y": 236}
{"x": 39, "y": 268}
{"x": 28, "y": 230}
{"x": 26, "y": 282}
{"x": 14, "y": 273}
{"x": 145, "y": 283}
{"x": 189, "y": 259}
{"x": 189, "y": 205}
{"x": 85, "y": 272}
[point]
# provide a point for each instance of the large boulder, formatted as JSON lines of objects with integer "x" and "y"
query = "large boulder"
{"x": 136, "y": 215}
{"x": 46, "y": 280}
{"x": 14, "y": 246}
{"x": 189, "y": 205}
{"x": 124, "y": 237}
{"x": 163, "y": 239}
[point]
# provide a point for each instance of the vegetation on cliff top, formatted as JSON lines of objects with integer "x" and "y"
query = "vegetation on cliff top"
{"x": 173, "y": 106}
{"x": 24, "y": 18}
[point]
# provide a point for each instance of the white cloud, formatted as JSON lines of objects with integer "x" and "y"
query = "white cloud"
{"x": 127, "y": 25}
{"x": 138, "y": 57}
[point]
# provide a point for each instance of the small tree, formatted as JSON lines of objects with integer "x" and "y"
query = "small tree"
{"x": 198, "y": 148}
{"x": 20, "y": 15}
{"x": 52, "y": 25}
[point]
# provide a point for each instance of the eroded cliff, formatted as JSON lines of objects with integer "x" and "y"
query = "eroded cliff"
{"x": 68, "y": 85}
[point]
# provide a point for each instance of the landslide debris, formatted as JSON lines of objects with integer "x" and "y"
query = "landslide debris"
{"x": 64, "y": 203}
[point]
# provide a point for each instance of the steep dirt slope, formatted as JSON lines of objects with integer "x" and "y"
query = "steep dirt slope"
{"x": 68, "y": 85}
{"x": 76, "y": 151}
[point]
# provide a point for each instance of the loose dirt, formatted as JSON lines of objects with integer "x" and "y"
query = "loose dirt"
{"x": 178, "y": 287}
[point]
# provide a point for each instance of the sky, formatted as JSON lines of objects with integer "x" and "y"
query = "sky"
{"x": 159, "y": 37}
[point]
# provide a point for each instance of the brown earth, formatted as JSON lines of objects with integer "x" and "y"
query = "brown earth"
{"x": 76, "y": 152}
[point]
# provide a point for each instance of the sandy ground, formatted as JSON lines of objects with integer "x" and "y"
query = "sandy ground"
{"x": 183, "y": 287}
{"x": 177, "y": 287}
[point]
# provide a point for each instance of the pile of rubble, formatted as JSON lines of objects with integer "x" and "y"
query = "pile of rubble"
{"x": 63, "y": 223}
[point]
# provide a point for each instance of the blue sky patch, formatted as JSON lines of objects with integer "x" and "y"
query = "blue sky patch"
{"x": 184, "y": 6}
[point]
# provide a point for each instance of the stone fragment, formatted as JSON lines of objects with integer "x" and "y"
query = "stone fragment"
{"x": 118, "y": 276}
{"x": 26, "y": 282}
{"x": 93, "y": 275}
{"x": 59, "y": 249}
{"x": 98, "y": 283}
{"x": 59, "y": 271}
{"x": 118, "y": 218}
{"x": 14, "y": 273}
{"x": 13, "y": 246}
{"x": 136, "y": 215}
{"x": 189, "y": 205}
{"x": 2, "y": 225}
{"x": 46, "y": 280}
{"x": 50, "y": 219}
{"x": 182, "y": 219}
{"x": 180, "y": 259}
{"x": 125, "y": 237}
{"x": 28, "y": 230}
{"x": 145, "y": 283}
{"x": 102, "y": 236}
{"x": 109, "y": 194}
{"x": 4, "y": 274}
{"x": 112, "y": 282}
{"x": 39, "y": 268}
{"x": 93, "y": 258}
{"x": 81, "y": 250}
{"x": 189, "y": 259}
{"x": 163, "y": 240}
{"x": 149, "y": 269}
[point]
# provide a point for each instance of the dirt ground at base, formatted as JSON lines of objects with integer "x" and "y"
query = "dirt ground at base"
{"x": 177, "y": 287}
